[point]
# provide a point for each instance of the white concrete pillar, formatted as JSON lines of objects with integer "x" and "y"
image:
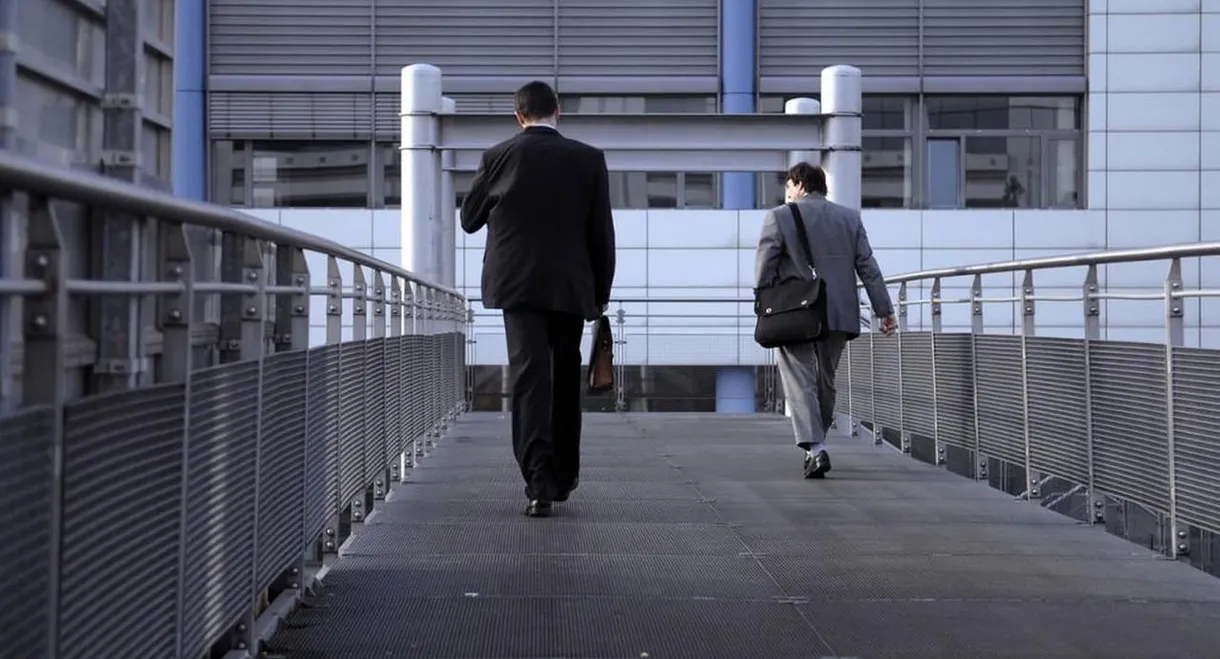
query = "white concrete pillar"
{"x": 447, "y": 229}
{"x": 421, "y": 170}
{"x": 843, "y": 100}
{"x": 812, "y": 154}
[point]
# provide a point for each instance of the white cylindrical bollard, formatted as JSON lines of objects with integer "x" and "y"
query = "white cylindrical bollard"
{"x": 842, "y": 101}
{"x": 448, "y": 212}
{"x": 420, "y": 166}
{"x": 812, "y": 153}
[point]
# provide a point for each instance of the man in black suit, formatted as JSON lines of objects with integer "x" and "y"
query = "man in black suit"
{"x": 549, "y": 265}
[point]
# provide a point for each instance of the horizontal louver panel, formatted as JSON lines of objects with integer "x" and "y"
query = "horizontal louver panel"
{"x": 467, "y": 37}
{"x": 638, "y": 37}
{"x": 801, "y": 37}
{"x": 1004, "y": 37}
{"x": 289, "y": 115}
{"x": 290, "y": 37}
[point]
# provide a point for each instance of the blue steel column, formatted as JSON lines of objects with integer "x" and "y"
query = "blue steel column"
{"x": 739, "y": 73}
{"x": 190, "y": 118}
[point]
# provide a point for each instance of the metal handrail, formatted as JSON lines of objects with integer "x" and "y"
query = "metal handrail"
{"x": 1185, "y": 250}
{"x": 86, "y": 187}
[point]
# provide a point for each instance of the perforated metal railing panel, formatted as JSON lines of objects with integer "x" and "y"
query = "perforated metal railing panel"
{"x": 918, "y": 386}
{"x": 351, "y": 419}
{"x": 1001, "y": 402}
{"x": 1196, "y": 442}
{"x": 886, "y": 380}
{"x": 219, "y": 547}
{"x": 1058, "y": 401}
{"x": 1130, "y": 433}
{"x": 281, "y": 486}
{"x": 375, "y": 454}
{"x": 954, "y": 371}
{"x": 122, "y": 484}
{"x": 671, "y": 550}
{"x": 860, "y": 361}
{"x": 322, "y": 442}
{"x": 27, "y": 471}
{"x": 392, "y": 403}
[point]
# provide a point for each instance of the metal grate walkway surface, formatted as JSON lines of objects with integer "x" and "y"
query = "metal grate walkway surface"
{"x": 694, "y": 536}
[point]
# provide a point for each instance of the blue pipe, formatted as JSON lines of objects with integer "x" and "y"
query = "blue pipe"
{"x": 190, "y": 136}
{"x": 739, "y": 73}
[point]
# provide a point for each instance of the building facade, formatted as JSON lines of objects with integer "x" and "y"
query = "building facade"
{"x": 992, "y": 131}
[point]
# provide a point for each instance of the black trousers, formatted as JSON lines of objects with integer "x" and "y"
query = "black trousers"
{"x": 544, "y": 363}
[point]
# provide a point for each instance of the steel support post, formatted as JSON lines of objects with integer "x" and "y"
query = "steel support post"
{"x": 421, "y": 103}
{"x": 903, "y": 323}
{"x": 253, "y": 346}
{"x": 976, "y": 329}
{"x": 44, "y": 378}
{"x": 1092, "y": 332}
{"x": 121, "y": 241}
{"x": 175, "y": 318}
{"x": 1034, "y": 480}
{"x": 1175, "y": 337}
{"x": 381, "y": 482}
{"x": 936, "y": 322}
{"x": 362, "y": 504}
{"x": 291, "y": 333}
{"x": 842, "y": 103}
{"x": 333, "y": 534}
{"x": 811, "y": 108}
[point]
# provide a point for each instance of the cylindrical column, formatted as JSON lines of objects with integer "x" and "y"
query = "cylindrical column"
{"x": 842, "y": 100}
{"x": 448, "y": 213}
{"x": 739, "y": 73}
{"x": 808, "y": 106}
{"x": 421, "y": 103}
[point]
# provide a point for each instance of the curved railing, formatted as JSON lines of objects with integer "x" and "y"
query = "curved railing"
{"x": 1108, "y": 420}
{"x": 180, "y": 447}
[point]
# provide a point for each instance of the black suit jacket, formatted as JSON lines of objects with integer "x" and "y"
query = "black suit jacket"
{"x": 545, "y": 201}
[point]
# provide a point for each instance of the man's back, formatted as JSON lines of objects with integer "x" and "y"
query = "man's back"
{"x": 841, "y": 253}
{"x": 550, "y": 234}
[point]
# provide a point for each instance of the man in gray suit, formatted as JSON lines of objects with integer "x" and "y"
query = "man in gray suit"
{"x": 841, "y": 252}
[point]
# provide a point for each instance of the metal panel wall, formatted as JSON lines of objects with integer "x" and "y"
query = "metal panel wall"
{"x": 290, "y": 37}
{"x": 467, "y": 37}
{"x": 638, "y": 37}
{"x": 1003, "y": 37}
{"x": 290, "y": 115}
{"x": 800, "y": 37}
{"x": 900, "y": 38}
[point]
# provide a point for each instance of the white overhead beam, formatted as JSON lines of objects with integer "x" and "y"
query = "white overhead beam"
{"x": 670, "y": 160}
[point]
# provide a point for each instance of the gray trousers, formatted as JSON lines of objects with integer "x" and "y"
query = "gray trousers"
{"x": 808, "y": 375}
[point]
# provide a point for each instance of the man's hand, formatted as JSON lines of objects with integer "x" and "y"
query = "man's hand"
{"x": 889, "y": 324}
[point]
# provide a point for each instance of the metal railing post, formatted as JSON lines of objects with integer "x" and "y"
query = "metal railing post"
{"x": 381, "y": 481}
{"x": 398, "y": 467}
{"x": 620, "y": 398}
{"x": 1175, "y": 337}
{"x": 253, "y": 347}
{"x": 1091, "y": 307}
{"x": 904, "y": 436}
{"x": 976, "y": 329}
{"x": 936, "y": 322}
{"x": 1034, "y": 488}
{"x": 44, "y": 378}
{"x": 362, "y": 503}
{"x": 333, "y": 533}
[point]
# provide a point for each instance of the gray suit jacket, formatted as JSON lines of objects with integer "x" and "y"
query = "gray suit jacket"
{"x": 840, "y": 253}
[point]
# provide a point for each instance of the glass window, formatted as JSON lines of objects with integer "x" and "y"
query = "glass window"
{"x": 886, "y": 113}
{"x": 886, "y": 171}
{"x": 943, "y": 173}
{"x": 1003, "y": 172}
{"x": 637, "y": 104}
{"x": 699, "y": 190}
{"x": 662, "y": 189}
{"x": 1003, "y": 113}
{"x": 309, "y": 174}
{"x": 1063, "y": 173}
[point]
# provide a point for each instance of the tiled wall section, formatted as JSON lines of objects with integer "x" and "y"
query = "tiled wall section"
{"x": 1154, "y": 132}
{"x": 709, "y": 255}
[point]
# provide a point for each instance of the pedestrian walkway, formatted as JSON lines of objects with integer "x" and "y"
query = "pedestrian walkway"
{"x": 694, "y": 536}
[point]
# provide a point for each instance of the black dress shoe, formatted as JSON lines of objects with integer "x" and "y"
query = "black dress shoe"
{"x": 817, "y": 465}
{"x": 538, "y": 508}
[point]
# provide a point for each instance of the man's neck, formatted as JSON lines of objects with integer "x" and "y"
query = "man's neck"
{"x": 549, "y": 122}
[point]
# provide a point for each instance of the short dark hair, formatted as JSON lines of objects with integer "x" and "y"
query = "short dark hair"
{"x": 536, "y": 100}
{"x": 810, "y": 177}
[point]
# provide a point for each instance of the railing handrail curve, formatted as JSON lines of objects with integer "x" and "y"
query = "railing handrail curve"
{"x": 29, "y": 175}
{"x": 1108, "y": 257}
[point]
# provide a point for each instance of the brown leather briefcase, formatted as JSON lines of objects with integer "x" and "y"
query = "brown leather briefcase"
{"x": 601, "y": 357}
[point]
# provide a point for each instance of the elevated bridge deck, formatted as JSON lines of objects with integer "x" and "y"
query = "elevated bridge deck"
{"x": 695, "y": 536}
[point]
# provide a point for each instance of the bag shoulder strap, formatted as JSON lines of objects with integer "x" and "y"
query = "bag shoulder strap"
{"x": 802, "y": 236}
